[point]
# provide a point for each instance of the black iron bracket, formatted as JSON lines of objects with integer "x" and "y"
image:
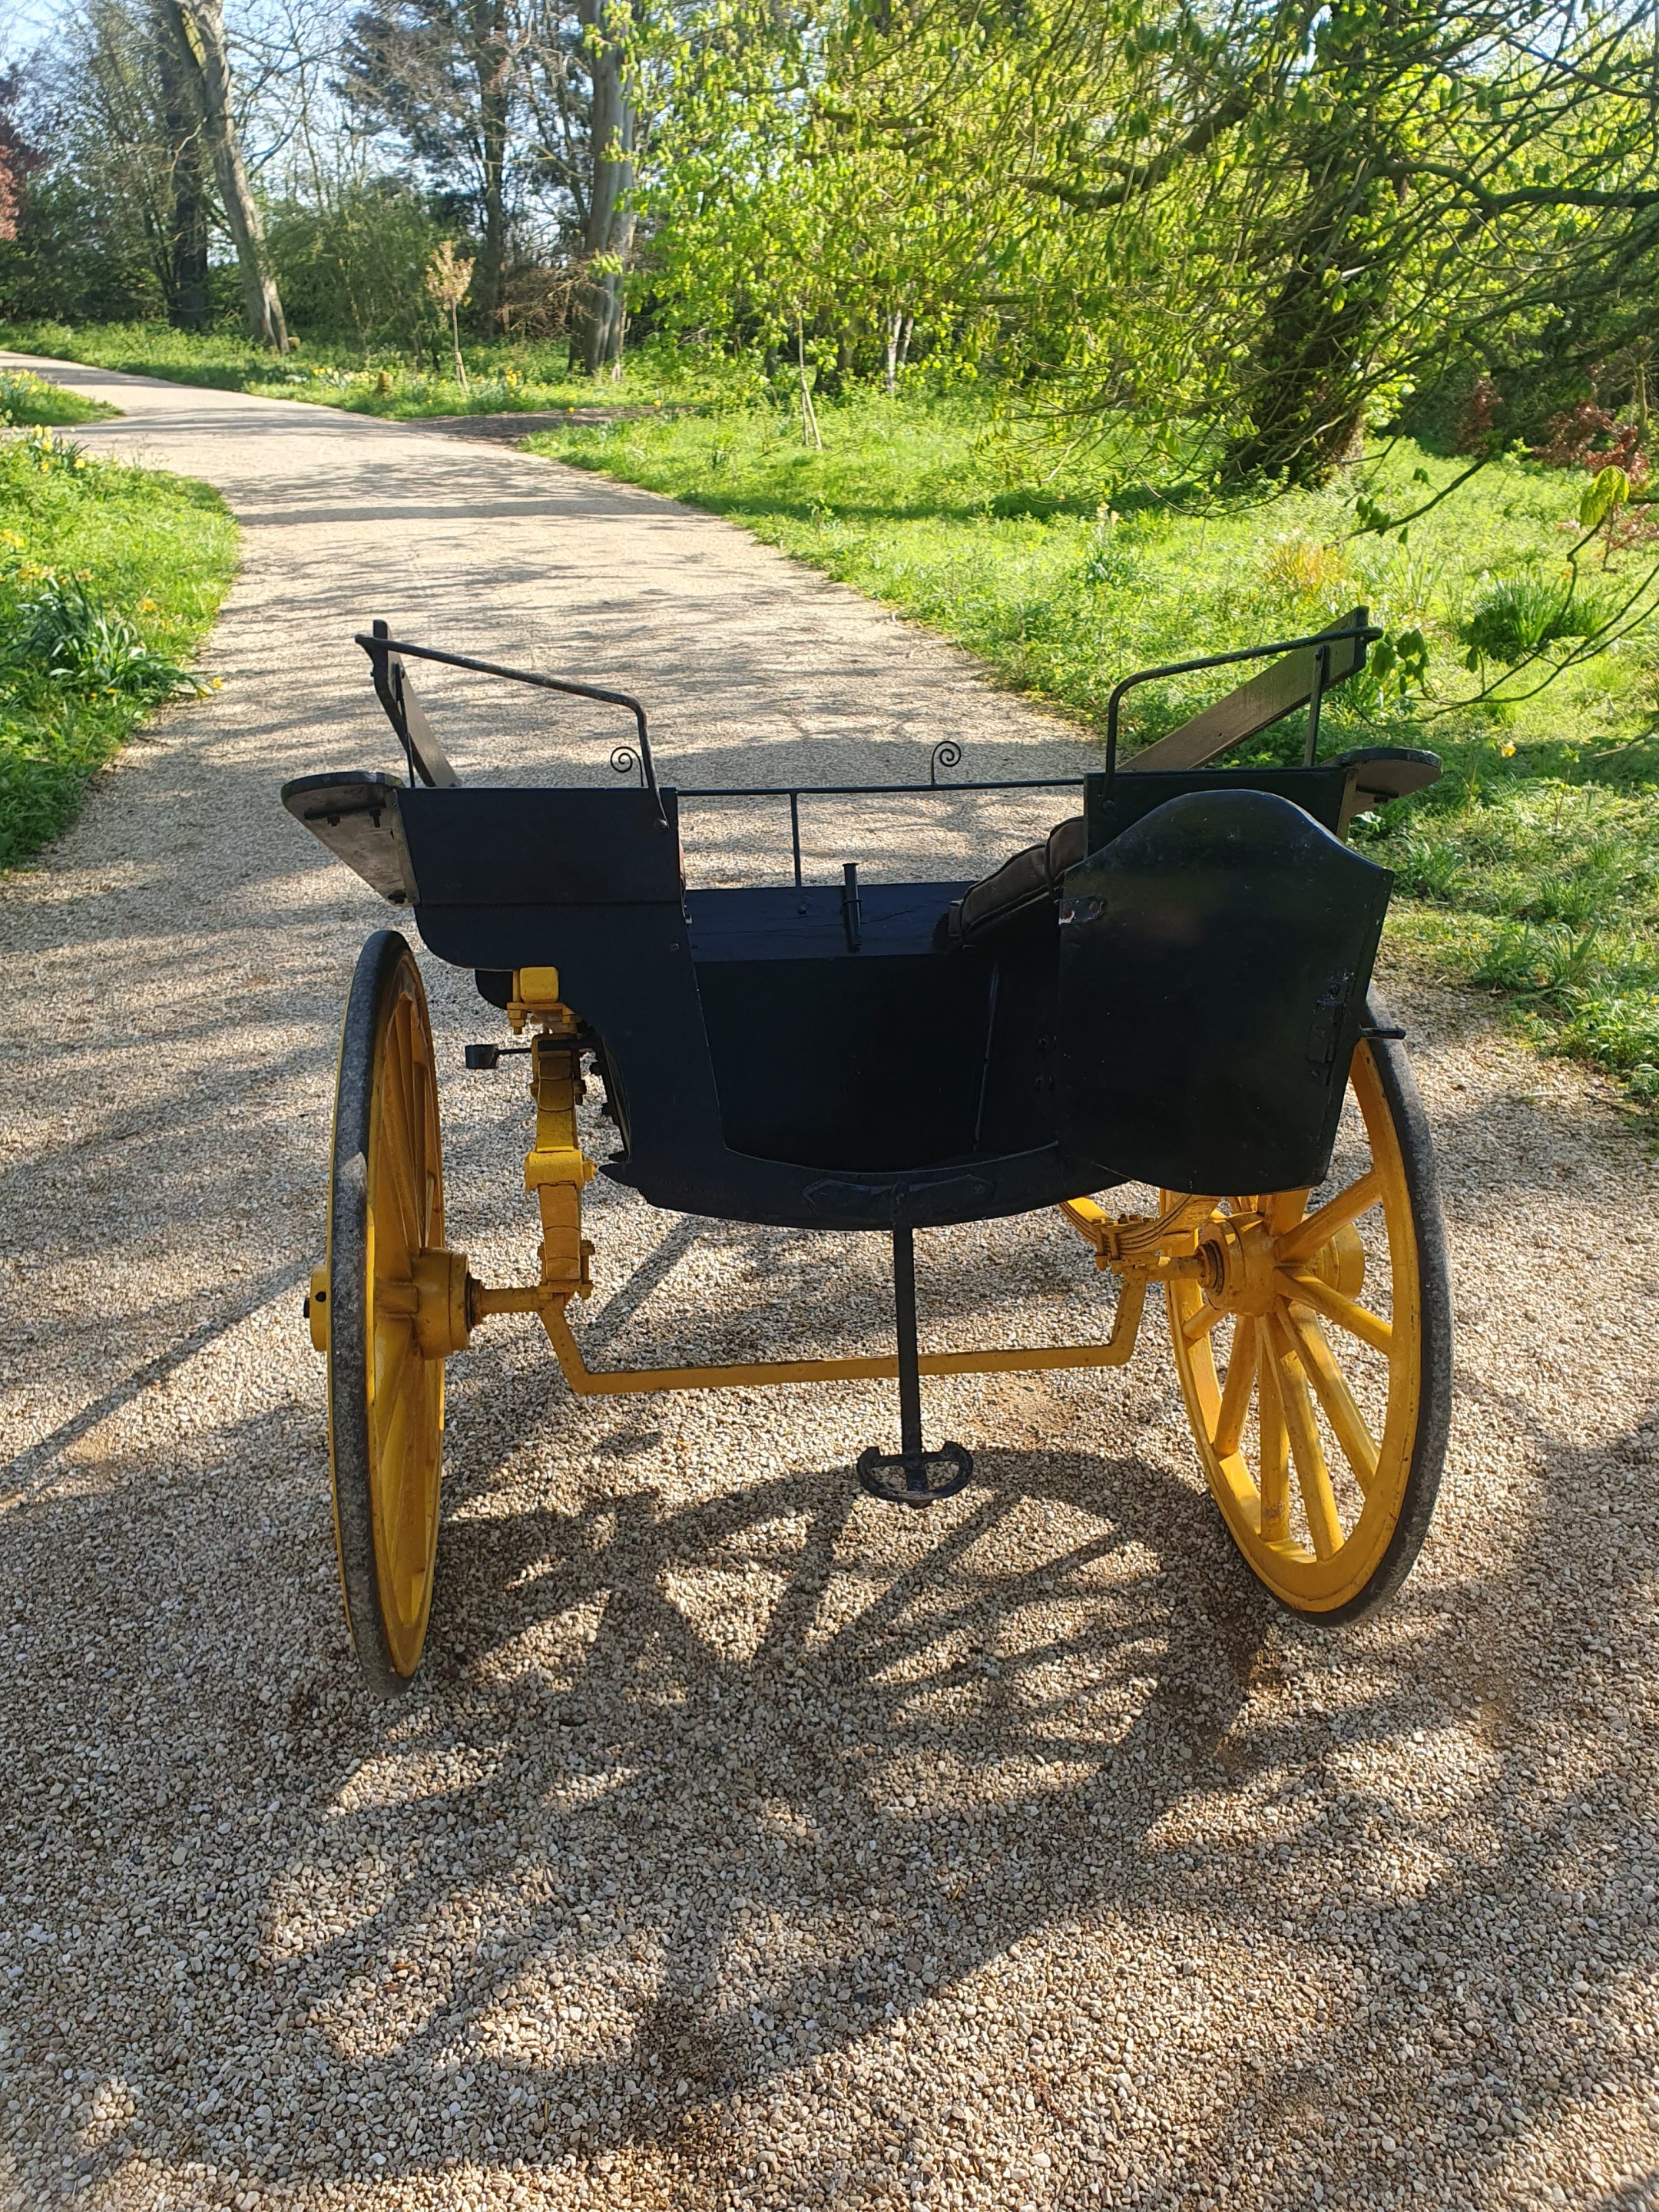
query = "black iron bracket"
{"x": 624, "y": 758}
{"x": 1361, "y": 634}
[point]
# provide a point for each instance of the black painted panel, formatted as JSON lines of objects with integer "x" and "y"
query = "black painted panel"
{"x": 1112, "y": 805}
{"x": 1213, "y": 965}
{"x": 854, "y": 1062}
{"x": 783, "y": 922}
{"x": 540, "y": 847}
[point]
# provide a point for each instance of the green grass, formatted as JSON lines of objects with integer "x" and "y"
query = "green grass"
{"x": 109, "y": 577}
{"x": 27, "y": 401}
{"x": 1542, "y": 841}
{"x": 502, "y": 378}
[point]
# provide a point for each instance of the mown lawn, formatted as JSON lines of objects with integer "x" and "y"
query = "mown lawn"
{"x": 109, "y": 578}
{"x": 1533, "y": 868}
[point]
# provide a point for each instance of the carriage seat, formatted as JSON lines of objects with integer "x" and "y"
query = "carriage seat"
{"x": 1032, "y": 878}
{"x": 1332, "y": 791}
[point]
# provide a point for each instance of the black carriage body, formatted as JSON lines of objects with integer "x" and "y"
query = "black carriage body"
{"x": 763, "y": 1070}
{"x": 1184, "y": 1015}
{"x": 1169, "y": 991}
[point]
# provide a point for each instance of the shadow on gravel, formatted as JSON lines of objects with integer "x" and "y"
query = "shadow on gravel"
{"x": 615, "y": 1868}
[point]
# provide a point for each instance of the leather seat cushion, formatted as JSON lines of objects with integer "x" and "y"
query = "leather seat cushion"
{"x": 1026, "y": 881}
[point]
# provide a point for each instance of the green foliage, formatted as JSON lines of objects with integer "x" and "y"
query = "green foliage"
{"x": 60, "y": 638}
{"x": 1517, "y": 616}
{"x": 75, "y": 255}
{"x": 109, "y": 575}
{"x": 1267, "y": 224}
{"x": 26, "y": 398}
{"x": 1533, "y": 867}
{"x": 352, "y": 269}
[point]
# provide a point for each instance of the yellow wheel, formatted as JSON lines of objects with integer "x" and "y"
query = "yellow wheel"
{"x": 1314, "y": 1356}
{"x": 386, "y": 1395}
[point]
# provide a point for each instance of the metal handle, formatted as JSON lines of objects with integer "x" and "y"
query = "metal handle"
{"x": 377, "y": 648}
{"x": 1368, "y": 632}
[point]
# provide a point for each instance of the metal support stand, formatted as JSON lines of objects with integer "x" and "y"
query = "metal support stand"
{"x": 924, "y": 1476}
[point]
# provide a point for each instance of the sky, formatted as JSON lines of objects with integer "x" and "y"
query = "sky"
{"x": 24, "y": 23}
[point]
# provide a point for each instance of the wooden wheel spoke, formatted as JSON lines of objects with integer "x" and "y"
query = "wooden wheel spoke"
{"x": 1274, "y": 1486}
{"x": 1319, "y": 1228}
{"x": 1312, "y": 1475}
{"x": 1199, "y": 1324}
{"x": 1359, "y": 1321}
{"x": 1347, "y": 1423}
{"x": 1284, "y": 1209}
{"x": 1237, "y": 1391}
{"x": 425, "y": 1116}
{"x": 395, "y": 1156}
{"x": 394, "y": 1348}
{"x": 401, "y": 1050}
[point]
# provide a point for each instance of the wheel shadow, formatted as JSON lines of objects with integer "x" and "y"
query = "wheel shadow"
{"x": 701, "y": 1789}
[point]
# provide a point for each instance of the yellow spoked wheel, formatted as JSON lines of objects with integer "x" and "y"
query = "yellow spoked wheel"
{"x": 1314, "y": 1356}
{"x": 385, "y": 1396}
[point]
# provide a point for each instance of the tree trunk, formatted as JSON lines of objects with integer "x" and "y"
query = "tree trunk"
{"x": 203, "y": 25}
{"x": 1313, "y": 367}
{"x": 491, "y": 58}
{"x": 610, "y": 232}
{"x": 185, "y": 278}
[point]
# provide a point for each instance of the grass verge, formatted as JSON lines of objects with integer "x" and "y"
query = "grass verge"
{"x": 27, "y": 401}
{"x": 109, "y": 578}
{"x": 1531, "y": 870}
{"x": 504, "y": 378}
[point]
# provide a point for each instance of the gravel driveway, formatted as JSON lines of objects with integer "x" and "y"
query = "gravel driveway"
{"x": 745, "y": 1842}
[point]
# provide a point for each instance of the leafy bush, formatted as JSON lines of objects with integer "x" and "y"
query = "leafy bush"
{"x": 57, "y": 634}
{"x": 1521, "y": 614}
{"x": 354, "y": 269}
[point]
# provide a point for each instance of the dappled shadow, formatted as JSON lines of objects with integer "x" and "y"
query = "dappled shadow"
{"x": 750, "y": 1833}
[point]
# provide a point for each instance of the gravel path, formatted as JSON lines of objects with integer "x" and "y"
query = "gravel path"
{"x": 746, "y": 1843}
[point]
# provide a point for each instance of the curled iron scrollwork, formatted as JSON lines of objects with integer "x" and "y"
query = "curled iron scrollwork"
{"x": 947, "y": 753}
{"x": 625, "y": 760}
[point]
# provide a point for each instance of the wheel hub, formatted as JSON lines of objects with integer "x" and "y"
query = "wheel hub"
{"x": 1241, "y": 1259}
{"x": 1241, "y": 1254}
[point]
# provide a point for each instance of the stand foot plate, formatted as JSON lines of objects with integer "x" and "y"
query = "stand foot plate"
{"x": 922, "y": 1477}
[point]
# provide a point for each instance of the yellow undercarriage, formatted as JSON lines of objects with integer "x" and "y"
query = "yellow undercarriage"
{"x": 447, "y": 1302}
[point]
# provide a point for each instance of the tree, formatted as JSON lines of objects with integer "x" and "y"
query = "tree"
{"x": 446, "y": 282}
{"x": 185, "y": 278}
{"x": 103, "y": 221}
{"x": 444, "y": 74}
{"x": 1386, "y": 184}
{"x": 608, "y": 230}
{"x": 198, "y": 27}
